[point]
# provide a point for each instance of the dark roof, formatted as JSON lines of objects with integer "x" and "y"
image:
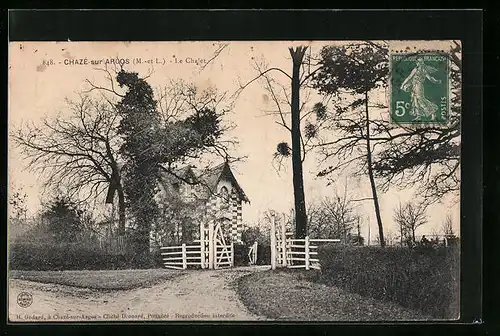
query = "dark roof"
{"x": 209, "y": 178}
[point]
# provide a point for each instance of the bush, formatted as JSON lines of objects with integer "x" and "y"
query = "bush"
{"x": 241, "y": 255}
{"x": 425, "y": 278}
{"x": 73, "y": 256}
{"x": 254, "y": 234}
{"x": 263, "y": 255}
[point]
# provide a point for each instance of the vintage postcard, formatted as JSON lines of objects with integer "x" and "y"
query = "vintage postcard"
{"x": 234, "y": 181}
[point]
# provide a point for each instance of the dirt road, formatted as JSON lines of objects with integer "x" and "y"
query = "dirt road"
{"x": 195, "y": 295}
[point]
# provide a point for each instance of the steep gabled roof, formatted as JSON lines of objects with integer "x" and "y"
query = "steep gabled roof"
{"x": 212, "y": 177}
{"x": 209, "y": 178}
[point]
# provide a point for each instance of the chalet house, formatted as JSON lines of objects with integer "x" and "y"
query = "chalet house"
{"x": 214, "y": 193}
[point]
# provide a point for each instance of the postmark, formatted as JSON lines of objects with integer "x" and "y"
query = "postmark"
{"x": 24, "y": 299}
{"x": 419, "y": 88}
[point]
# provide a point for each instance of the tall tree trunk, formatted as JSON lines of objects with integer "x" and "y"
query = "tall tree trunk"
{"x": 116, "y": 181}
{"x": 121, "y": 210}
{"x": 370, "y": 175}
{"x": 298, "y": 179}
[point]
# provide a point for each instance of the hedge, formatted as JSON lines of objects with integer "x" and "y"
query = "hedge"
{"x": 45, "y": 257}
{"x": 426, "y": 279}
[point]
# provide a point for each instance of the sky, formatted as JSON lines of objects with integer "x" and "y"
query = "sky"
{"x": 38, "y": 88}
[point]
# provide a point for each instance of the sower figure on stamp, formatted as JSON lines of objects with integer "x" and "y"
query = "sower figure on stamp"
{"x": 414, "y": 84}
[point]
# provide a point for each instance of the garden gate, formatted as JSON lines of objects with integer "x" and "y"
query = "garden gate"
{"x": 217, "y": 253}
{"x": 210, "y": 251}
{"x": 294, "y": 253}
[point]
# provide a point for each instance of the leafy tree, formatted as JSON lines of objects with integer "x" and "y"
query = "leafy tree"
{"x": 17, "y": 202}
{"x": 355, "y": 239}
{"x": 141, "y": 148}
{"x": 17, "y": 212}
{"x": 151, "y": 144}
{"x": 426, "y": 157}
{"x": 63, "y": 220}
{"x": 254, "y": 234}
{"x": 178, "y": 222}
{"x": 347, "y": 75}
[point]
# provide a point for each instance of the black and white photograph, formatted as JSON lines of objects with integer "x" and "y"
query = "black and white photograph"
{"x": 234, "y": 181}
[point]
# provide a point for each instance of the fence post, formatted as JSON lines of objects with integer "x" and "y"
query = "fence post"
{"x": 211, "y": 246}
{"x": 202, "y": 255}
{"x": 283, "y": 243}
{"x": 273, "y": 243}
{"x": 250, "y": 255}
{"x": 307, "y": 252}
{"x": 255, "y": 246}
{"x": 202, "y": 244}
{"x": 184, "y": 261}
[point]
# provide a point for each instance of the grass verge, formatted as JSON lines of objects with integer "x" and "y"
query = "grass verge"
{"x": 293, "y": 295}
{"x": 99, "y": 280}
{"x": 424, "y": 278}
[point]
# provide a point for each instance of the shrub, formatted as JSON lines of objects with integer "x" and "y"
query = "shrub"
{"x": 241, "y": 255}
{"x": 72, "y": 256}
{"x": 263, "y": 255}
{"x": 254, "y": 234}
{"x": 424, "y": 278}
{"x": 156, "y": 259}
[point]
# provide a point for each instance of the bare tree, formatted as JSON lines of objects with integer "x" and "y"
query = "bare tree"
{"x": 180, "y": 99}
{"x": 390, "y": 238}
{"x": 409, "y": 217}
{"x": 447, "y": 226}
{"x": 78, "y": 152}
{"x": 290, "y": 108}
{"x": 335, "y": 217}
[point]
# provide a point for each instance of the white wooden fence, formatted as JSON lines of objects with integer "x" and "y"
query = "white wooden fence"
{"x": 303, "y": 253}
{"x": 294, "y": 253}
{"x": 180, "y": 257}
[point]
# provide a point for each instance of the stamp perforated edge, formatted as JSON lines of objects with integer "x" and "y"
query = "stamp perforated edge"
{"x": 412, "y": 50}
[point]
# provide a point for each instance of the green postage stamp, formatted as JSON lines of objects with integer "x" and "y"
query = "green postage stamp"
{"x": 420, "y": 87}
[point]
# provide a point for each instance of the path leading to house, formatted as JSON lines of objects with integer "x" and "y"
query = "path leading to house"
{"x": 193, "y": 295}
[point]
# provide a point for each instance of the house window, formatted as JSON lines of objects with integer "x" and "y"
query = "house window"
{"x": 224, "y": 196}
